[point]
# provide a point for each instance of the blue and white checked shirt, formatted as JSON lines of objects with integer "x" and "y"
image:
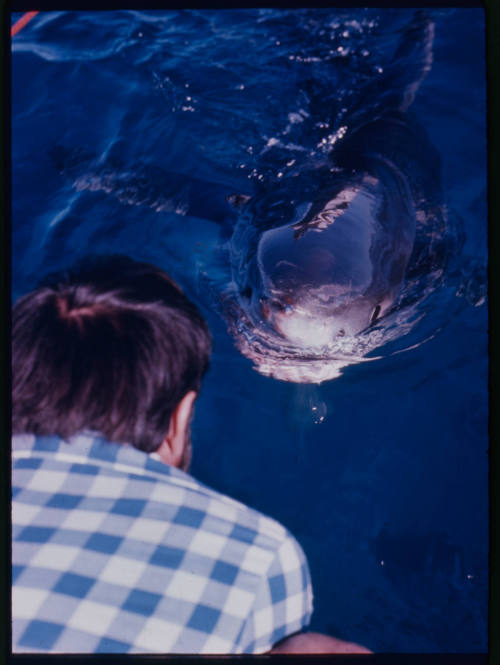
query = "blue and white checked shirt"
{"x": 114, "y": 551}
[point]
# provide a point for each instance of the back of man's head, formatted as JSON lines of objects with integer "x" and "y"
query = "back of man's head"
{"x": 111, "y": 346}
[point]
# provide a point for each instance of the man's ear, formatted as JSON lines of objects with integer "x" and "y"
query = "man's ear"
{"x": 172, "y": 447}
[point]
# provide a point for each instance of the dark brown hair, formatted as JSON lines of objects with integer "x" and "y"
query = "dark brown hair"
{"x": 111, "y": 346}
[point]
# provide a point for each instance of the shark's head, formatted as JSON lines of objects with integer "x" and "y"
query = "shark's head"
{"x": 317, "y": 279}
{"x": 309, "y": 278}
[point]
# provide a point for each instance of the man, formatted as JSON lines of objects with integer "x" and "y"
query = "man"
{"x": 115, "y": 547}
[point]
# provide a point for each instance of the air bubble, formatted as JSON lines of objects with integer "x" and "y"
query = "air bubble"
{"x": 318, "y": 410}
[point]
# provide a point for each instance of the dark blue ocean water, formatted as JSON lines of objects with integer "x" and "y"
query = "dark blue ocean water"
{"x": 117, "y": 118}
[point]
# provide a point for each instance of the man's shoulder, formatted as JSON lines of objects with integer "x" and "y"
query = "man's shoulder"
{"x": 197, "y": 505}
{"x": 158, "y": 548}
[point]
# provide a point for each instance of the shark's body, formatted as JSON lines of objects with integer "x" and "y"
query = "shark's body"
{"x": 332, "y": 265}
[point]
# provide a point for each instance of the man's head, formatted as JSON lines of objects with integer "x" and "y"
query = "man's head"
{"x": 112, "y": 346}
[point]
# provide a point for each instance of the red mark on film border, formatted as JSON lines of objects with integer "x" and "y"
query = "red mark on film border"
{"x": 19, "y": 24}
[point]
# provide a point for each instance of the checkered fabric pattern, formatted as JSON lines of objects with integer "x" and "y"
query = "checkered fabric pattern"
{"x": 114, "y": 551}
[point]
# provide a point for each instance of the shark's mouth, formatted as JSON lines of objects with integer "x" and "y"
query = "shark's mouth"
{"x": 310, "y": 357}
